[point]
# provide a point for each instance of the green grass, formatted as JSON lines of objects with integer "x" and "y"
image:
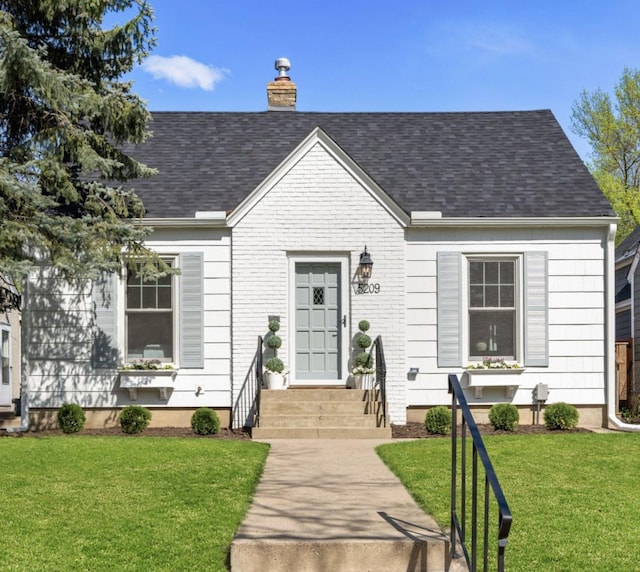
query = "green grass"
{"x": 118, "y": 503}
{"x": 575, "y": 498}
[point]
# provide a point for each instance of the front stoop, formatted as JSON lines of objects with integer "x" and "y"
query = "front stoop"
{"x": 8, "y": 419}
{"x": 320, "y": 414}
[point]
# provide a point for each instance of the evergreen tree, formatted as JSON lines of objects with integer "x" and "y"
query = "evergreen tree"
{"x": 613, "y": 130}
{"x": 66, "y": 117}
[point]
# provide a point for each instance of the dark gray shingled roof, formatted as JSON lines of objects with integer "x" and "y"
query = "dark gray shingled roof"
{"x": 629, "y": 245}
{"x": 504, "y": 164}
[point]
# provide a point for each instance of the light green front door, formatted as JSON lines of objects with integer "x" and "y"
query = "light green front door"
{"x": 318, "y": 322}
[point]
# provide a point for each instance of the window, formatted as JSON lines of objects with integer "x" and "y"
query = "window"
{"x": 492, "y": 308}
{"x": 149, "y": 318}
{"x": 163, "y": 319}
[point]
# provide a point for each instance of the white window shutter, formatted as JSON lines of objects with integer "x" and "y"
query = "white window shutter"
{"x": 536, "y": 309}
{"x": 104, "y": 352}
{"x": 191, "y": 310}
{"x": 449, "y": 269}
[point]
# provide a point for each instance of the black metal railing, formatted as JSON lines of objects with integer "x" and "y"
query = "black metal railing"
{"x": 246, "y": 410}
{"x": 460, "y": 519}
{"x": 381, "y": 377}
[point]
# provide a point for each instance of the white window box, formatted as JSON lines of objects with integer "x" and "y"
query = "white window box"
{"x": 481, "y": 378}
{"x": 135, "y": 379}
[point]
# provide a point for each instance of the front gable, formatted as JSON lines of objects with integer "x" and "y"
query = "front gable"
{"x": 318, "y": 137}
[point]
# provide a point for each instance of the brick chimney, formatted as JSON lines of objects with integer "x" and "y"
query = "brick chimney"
{"x": 281, "y": 92}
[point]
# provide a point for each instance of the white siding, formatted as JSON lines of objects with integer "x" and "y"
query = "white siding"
{"x": 60, "y": 334}
{"x": 577, "y": 347}
{"x": 318, "y": 207}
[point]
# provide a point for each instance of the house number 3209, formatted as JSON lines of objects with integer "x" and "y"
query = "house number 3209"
{"x": 368, "y": 289}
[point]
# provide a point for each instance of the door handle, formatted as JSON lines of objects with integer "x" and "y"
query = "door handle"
{"x": 344, "y": 321}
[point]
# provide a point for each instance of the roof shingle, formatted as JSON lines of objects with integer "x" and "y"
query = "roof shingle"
{"x": 488, "y": 164}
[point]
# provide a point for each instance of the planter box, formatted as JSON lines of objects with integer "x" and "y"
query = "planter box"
{"x": 481, "y": 378}
{"x": 135, "y": 379}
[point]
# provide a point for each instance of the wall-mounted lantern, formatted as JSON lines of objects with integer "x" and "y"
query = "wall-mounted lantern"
{"x": 365, "y": 267}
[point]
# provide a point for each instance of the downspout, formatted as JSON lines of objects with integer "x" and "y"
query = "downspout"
{"x": 610, "y": 335}
{"x": 24, "y": 362}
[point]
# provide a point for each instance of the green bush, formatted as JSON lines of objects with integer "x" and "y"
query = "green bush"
{"x": 363, "y": 359}
{"x": 437, "y": 421}
{"x": 560, "y": 416}
{"x": 275, "y": 365}
{"x": 274, "y": 342}
{"x": 363, "y": 341}
{"x": 274, "y": 326}
{"x": 504, "y": 416}
{"x": 363, "y": 325}
{"x": 71, "y": 418}
{"x": 205, "y": 421}
{"x": 134, "y": 419}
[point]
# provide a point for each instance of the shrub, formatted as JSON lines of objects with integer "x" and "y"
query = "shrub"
{"x": 71, "y": 418}
{"x": 363, "y": 325}
{"x": 134, "y": 419}
{"x": 274, "y": 326}
{"x": 205, "y": 421}
{"x": 363, "y": 359}
{"x": 560, "y": 416}
{"x": 363, "y": 341}
{"x": 275, "y": 365}
{"x": 438, "y": 420}
{"x": 504, "y": 416}
{"x": 274, "y": 342}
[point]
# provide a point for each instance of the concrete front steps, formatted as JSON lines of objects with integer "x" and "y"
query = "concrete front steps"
{"x": 320, "y": 413}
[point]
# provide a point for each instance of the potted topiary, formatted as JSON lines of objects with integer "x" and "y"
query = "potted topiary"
{"x": 363, "y": 370}
{"x": 275, "y": 374}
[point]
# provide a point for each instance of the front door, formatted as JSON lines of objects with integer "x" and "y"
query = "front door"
{"x": 5, "y": 368}
{"x": 318, "y": 324}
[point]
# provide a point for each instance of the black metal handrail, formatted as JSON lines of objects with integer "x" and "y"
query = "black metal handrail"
{"x": 246, "y": 410}
{"x": 381, "y": 376}
{"x": 459, "y": 519}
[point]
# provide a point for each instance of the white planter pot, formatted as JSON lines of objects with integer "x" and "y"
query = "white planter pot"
{"x": 363, "y": 380}
{"x": 275, "y": 380}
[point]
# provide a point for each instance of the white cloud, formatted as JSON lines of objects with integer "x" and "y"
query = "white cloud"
{"x": 489, "y": 39}
{"x": 184, "y": 72}
{"x": 496, "y": 39}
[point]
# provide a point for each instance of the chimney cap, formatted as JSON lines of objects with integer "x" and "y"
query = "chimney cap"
{"x": 283, "y": 65}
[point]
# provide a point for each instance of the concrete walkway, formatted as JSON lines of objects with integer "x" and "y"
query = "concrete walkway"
{"x": 332, "y": 505}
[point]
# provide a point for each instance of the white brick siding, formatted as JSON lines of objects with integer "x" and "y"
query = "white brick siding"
{"x": 318, "y": 207}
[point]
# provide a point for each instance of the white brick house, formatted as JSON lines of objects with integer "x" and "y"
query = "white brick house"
{"x": 487, "y": 233}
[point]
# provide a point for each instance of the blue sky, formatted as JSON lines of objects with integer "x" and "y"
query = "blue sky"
{"x": 373, "y": 55}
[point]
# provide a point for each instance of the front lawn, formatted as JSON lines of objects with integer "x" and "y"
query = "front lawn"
{"x": 118, "y": 503}
{"x": 575, "y": 498}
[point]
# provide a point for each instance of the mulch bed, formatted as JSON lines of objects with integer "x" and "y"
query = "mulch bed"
{"x": 408, "y": 431}
{"x": 418, "y": 431}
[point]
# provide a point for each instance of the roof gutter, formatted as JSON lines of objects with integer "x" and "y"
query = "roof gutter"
{"x": 610, "y": 336}
{"x": 201, "y": 219}
{"x": 434, "y": 218}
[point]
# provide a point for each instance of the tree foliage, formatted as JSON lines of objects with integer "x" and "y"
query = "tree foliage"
{"x": 66, "y": 117}
{"x": 613, "y": 130}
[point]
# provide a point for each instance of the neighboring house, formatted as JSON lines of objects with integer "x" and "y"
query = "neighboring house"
{"x": 9, "y": 351}
{"x": 627, "y": 299}
{"x": 488, "y": 236}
